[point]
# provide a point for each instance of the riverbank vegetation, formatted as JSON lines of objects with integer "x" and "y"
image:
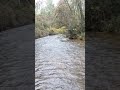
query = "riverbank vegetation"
{"x": 66, "y": 17}
{"x": 103, "y": 16}
{"x": 14, "y": 13}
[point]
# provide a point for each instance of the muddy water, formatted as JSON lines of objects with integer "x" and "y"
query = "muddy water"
{"x": 59, "y": 64}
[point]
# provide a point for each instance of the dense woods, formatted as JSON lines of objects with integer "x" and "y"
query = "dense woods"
{"x": 66, "y": 17}
{"x": 15, "y": 13}
{"x": 103, "y": 15}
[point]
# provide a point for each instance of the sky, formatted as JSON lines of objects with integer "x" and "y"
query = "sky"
{"x": 54, "y": 1}
{"x": 39, "y": 6}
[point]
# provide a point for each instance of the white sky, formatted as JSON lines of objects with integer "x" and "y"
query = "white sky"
{"x": 54, "y": 1}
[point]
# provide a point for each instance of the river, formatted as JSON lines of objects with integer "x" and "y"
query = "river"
{"x": 59, "y": 64}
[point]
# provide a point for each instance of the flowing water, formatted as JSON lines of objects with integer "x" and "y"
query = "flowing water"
{"x": 59, "y": 64}
{"x": 102, "y": 61}
{"x": 17, "y": 58}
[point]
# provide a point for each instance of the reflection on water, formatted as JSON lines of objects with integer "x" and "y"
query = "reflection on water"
{"x": 102, "y": 61}
{"x": 59, "y": 64}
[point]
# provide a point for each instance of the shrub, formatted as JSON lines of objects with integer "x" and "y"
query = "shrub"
{"x": 53, "y": 31}
{"x": 113, "y": 25}
{"x": 11, "y": 17}
{"x": 40, "y": 33}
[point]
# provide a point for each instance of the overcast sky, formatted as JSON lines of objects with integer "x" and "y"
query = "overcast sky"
{"x": 54, "y": 1}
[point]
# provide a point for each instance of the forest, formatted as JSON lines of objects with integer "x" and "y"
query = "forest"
{"x": 15, "y": 13}
{"x": 67, "y": 17}
{"x": 75, "y": 17}
{"x": 102, "y": 15}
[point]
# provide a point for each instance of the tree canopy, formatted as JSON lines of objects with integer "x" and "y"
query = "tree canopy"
{"x": 67, "y": 13}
